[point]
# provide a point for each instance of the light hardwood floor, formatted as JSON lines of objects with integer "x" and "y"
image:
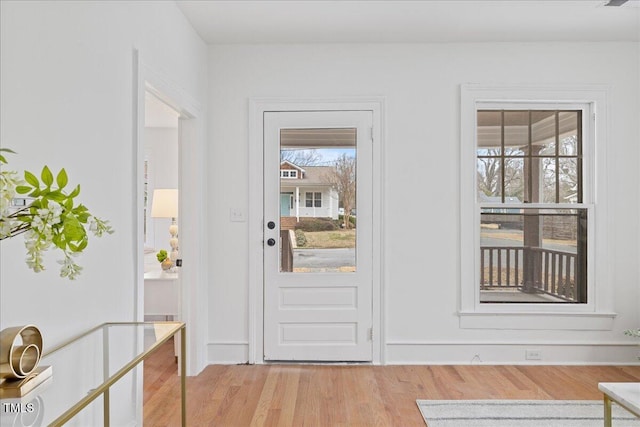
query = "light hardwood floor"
{"x": 332, "y": 396}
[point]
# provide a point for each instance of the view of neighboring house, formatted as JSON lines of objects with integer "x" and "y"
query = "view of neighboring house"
{"x": 305, "y": 192}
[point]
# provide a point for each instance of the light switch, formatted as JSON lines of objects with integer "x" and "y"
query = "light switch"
{"x": 236, "y": 215}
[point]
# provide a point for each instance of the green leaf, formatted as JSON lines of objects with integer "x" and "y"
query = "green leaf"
{"x": 58, "y": 240}
{"x": 22, "y": 189}
{"x": 46, "y": 176}
{"x": 31, "y": 179}
{"x": 80, "y": 247}
{"x": 83, "y": 217}
{"x": 35, "y": 193}
{"x": 6, "y": 150}
{"x": 73, "y": 229}
{"x": 75, "y": 192}
{"x": 56, "y": 196}
{"x": 62, "y": 179}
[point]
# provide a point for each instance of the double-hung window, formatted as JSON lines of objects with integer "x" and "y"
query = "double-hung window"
{"x": 528, "y": 181}
{"x": 533, "y": 222}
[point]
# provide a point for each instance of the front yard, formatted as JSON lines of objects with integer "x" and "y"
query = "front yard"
{"x": 330, "y": 239}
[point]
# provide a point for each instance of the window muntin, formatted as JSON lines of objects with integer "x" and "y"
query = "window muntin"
{"x": 531, "y": 157}
{"x": 288, "y": 173}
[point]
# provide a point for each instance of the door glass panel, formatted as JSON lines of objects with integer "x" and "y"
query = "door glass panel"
{"x": 318, "y": 206}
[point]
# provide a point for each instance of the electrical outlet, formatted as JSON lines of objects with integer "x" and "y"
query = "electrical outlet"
{"x": 533, "y": 354}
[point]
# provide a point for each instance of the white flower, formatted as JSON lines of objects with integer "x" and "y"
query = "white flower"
{"x": 36, "y": 243}
{"x": 38, "y": 224}
{"x": 69, "y": 268}
{"x": 6, "y": 225}
{"x": 98, "y": 227}
{"x": 9, "y": 180}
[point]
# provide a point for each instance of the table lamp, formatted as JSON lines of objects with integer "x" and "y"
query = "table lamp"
{"x": 165, "y": 205}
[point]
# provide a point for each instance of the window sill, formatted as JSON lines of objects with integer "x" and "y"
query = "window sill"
{"x": 537, "y": 321}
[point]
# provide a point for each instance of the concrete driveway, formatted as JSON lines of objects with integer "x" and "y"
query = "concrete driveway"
{"x": 324, "y": 259}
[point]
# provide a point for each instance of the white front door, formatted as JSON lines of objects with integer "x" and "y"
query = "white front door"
{"x": 318, "y": 282}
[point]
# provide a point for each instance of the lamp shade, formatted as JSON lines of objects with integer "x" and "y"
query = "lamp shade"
{"x": 164, "y": 203}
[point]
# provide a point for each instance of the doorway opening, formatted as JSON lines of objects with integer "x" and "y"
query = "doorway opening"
{"x": 190, "y": 164}
{"x": 160, "y": 210}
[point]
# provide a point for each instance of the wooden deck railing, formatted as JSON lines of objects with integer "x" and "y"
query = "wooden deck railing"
{"x": 530, "y": 270}
{"x": 286, "y": 251}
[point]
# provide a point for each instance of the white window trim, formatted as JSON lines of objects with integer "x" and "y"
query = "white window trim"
{"x": 291, "y": 173}
{"x": 597, "y": 314}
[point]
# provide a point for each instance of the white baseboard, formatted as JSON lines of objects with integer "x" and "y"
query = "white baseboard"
{"x": 424, "y": 353}
{"x": 452, "y": 353}
{"x": 227, "y": 352}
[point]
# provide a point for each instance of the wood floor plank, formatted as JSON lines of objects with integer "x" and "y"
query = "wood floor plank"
{"x": 362, "y": 395}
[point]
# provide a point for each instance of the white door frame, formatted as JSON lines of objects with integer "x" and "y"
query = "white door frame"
{"x": 257, "y": 108}
{"x": 191, "y": 149}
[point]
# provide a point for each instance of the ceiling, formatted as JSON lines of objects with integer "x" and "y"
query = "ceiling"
{"x": 417, "y": 21}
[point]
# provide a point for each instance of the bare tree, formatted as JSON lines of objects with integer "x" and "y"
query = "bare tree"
{"x": 301, "y": 157}
{"x": 494, "y": 169}
{"x": 342, "y": 178}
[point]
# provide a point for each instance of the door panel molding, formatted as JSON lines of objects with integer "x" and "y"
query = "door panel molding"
{"x": 258, "y": 108}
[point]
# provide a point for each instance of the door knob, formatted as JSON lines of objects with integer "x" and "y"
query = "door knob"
{"x": 271, "y": 242}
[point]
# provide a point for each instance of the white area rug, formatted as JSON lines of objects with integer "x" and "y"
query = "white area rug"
{"x": 521, "y": 413}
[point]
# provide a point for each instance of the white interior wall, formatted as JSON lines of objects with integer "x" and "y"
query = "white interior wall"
{"x": 421, "y": 84}
{"x": 66, "y": 99}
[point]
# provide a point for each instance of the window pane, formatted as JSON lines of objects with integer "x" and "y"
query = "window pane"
{"x": 543, "y": 133}
{"x": 549, "y": 171}
{"x": 569, "y": 124}
{"x": 568, "y": 179}
{"x": 516, "y": 133}
{"x": 533, "y": 256}
{"x": 489, "y": 133}
{"x": 315, "y": 236}
{"x": 489, "y": 179}
{"x": 514, "y": 190}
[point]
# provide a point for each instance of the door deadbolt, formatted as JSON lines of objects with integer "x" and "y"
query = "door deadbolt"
{"x": 271, "y": 225}
{"x": 271, "y": 242}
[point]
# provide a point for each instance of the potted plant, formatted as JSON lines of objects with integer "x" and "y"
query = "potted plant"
{"x": 164, "y": 260}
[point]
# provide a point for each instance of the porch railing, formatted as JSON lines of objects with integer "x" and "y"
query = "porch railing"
{"x": 529, "y": 269}
{"x": 286, "y": 251}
